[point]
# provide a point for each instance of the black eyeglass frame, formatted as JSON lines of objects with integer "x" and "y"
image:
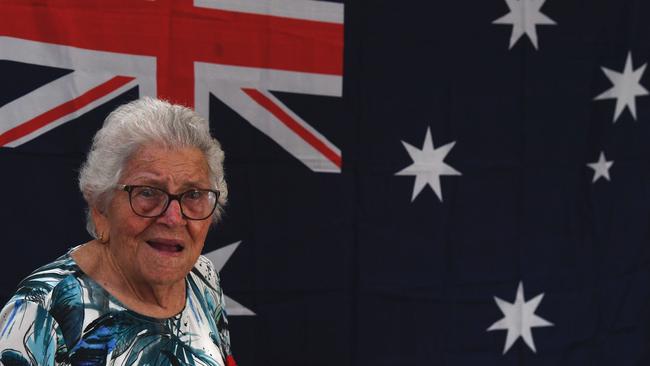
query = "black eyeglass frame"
{"x": 170, "y": 197}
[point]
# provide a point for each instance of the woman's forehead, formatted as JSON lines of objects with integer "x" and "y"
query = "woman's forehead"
{"x": 178, "y": 167}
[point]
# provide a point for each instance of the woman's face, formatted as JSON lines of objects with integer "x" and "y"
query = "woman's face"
{"x": 161, "y": 250}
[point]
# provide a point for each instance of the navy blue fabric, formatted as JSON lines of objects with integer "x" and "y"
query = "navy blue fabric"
{"x": 344, "y": 269}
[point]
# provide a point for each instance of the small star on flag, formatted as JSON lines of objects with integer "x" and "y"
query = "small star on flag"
{"x": 601, "y": 167}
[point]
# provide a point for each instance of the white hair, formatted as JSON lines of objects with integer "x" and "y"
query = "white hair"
{"x": 134, "y": 125}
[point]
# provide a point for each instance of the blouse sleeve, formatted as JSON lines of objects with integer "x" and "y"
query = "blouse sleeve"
{"x": 29, "y": 335}
{"x": 217, "y": 306}
{"x": 222, "y": 324}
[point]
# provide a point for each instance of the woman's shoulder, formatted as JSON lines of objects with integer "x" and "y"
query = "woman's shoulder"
{"x": 41, "y": 284}
{"x": 205, "y": 272}
{"x": 45, "y": 300}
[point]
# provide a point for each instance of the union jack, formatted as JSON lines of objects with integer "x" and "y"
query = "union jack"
{"x": 181, "y": 50}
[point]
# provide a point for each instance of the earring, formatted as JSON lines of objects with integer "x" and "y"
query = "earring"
{"x": 101, "y": 238}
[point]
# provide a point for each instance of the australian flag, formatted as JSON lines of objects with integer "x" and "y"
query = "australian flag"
{"x": 411, "y": 183}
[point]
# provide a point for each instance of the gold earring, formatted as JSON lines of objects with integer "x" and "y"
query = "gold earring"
{"x": 101, "y": 238}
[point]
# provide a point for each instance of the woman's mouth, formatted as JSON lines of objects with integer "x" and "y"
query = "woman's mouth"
{"x": 164, "y": 246}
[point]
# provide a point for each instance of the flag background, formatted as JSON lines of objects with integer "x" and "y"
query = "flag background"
{"x": 345, "y": 267}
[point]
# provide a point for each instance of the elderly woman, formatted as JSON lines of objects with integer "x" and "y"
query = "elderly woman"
{"x": 139, "y": 293}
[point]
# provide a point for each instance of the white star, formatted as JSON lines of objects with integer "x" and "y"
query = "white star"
{"x": 626, "y": 87}
{"x": 519, "y": 318}
{"x": 219, "y": 258}
{"x": 524, "y": 16}
{"x": 601, "y": 167}
{"x": 428, "y": 165}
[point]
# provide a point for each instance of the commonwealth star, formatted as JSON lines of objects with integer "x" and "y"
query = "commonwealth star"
{"x": 219, "y": 258}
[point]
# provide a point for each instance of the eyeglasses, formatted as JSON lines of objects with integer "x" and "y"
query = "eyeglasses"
{"x": 196, "y": 204}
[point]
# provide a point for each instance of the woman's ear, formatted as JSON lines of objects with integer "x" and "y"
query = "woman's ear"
{"x": 102, "y": 228}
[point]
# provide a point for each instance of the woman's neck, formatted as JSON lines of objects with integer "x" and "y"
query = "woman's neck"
{"x": 158, "y": 301}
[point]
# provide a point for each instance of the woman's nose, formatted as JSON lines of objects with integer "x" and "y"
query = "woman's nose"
{"x": 173, "y": 215}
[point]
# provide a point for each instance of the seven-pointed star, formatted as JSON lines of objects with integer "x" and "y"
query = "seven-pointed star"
{"x": 626, "y": 87}
{"x": 524, "y": 16}
{"x": 219, "y": 258}
{"x": 601, "y": 167}
{"x": 428, "y": 165}
{"x": 519, "y": 318}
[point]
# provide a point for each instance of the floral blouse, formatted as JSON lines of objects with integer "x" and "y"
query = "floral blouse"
{"x": 60, "y": 316}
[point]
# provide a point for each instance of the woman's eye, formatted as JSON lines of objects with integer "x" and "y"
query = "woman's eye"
{"x": 147, "y": 193}
{"x": 194, "y": 195}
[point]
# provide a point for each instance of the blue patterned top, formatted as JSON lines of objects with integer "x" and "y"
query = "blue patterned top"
{"x": 60, "y": 316}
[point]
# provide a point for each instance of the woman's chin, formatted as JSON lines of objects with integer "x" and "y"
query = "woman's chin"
{"x": 163, "y": 267}
{"x": 164, "y": 277}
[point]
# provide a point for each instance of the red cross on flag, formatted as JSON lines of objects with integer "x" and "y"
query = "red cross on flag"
{"x": 236, "y": 50}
